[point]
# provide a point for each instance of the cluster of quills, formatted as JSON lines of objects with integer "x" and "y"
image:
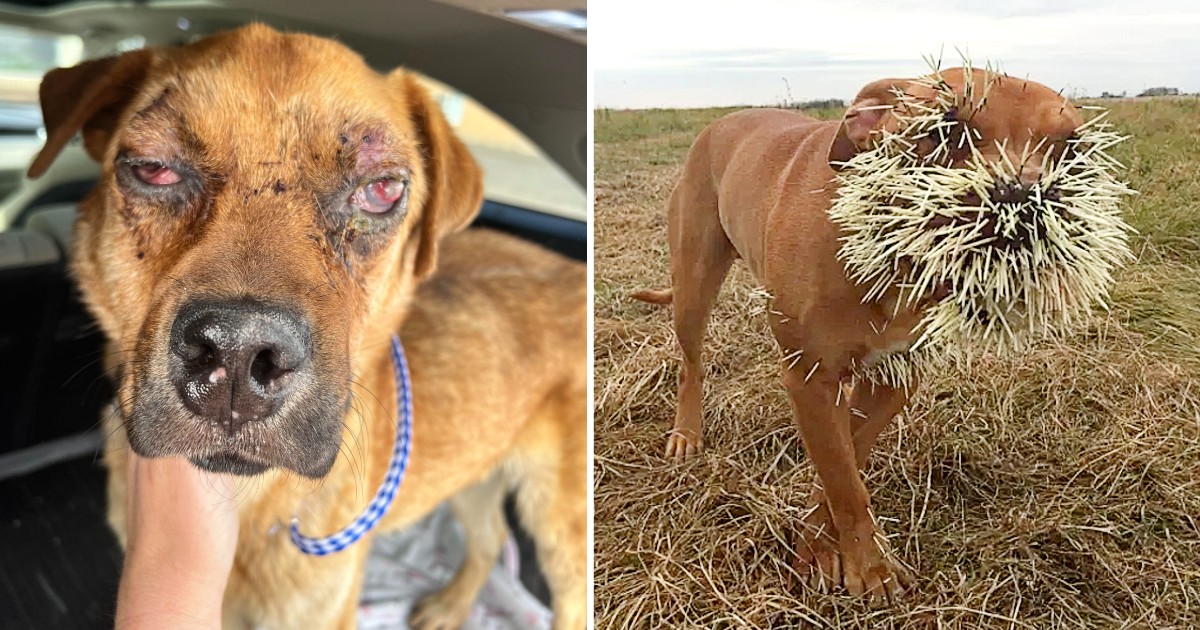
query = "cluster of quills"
{"x": 1010, "y": 264}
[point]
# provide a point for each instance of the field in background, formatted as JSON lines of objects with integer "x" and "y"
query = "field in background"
{"x": 1060, "y": 489}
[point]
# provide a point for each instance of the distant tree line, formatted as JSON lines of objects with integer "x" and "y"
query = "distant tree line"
{"x": 1161, "y": 91}
{"x": 828, "y": 103}
{"x": 1154, "y": 91}
{"x": 837, "y": 103}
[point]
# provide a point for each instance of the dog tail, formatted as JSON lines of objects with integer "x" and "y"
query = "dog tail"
{"x": 653, "y": 297}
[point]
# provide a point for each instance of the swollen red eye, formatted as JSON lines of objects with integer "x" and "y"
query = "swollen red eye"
{"x": 380, "y": 195}
{"x": 155, "y": 174}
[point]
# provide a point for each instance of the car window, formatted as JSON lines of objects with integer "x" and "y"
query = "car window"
{"x": 515, "y": 171}
{"x": 25, "y": 55}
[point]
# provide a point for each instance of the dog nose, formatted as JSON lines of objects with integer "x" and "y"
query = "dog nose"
{"x": 1010, "y": 192}
{"x": 237, "y": 362}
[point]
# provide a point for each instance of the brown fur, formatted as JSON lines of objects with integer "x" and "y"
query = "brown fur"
{"x": 277, "y": 128}
{"x": 756, "y": 185}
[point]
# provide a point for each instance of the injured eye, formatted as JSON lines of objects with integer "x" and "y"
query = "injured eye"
{"x": 154, "y": 173}
{"x": 156, "y": 178}
{"x": 380, "y": 195}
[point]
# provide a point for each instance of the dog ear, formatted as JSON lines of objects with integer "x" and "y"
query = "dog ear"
{"x": 865, "y": 114}
{"x": 455, "y": 180}
{"x": 89, "y": 97}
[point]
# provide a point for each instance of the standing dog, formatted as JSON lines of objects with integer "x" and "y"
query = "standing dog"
{"x": 267, "y": 207}
{"x": 757, "y": 185}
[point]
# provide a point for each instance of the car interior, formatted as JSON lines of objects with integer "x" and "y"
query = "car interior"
{"x": 510, "y": 76}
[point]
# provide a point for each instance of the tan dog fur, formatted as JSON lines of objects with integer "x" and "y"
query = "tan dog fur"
{"x": 756, "y": 185}
{"x": 496, "y": 339}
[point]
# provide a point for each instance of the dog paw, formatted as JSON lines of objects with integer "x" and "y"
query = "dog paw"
{"x": 681, "y": 447}
{"x": 867, "y": 570}
{"x": 435, "y": 612}
{"x": 879, "y": 577}
{"x": 818, "y": 561}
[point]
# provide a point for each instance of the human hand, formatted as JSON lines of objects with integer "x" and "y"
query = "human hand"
{"x": 182, "y": 529}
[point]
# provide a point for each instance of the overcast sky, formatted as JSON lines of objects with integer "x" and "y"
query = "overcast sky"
{"x": 676, "y": 53}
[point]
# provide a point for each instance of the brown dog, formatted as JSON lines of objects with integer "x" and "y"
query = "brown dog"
{"x": 267, "y": 207}
{"x": 757, "y": 185}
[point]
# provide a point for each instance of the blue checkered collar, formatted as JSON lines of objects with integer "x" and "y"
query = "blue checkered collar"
{"x": 391, "y": 481}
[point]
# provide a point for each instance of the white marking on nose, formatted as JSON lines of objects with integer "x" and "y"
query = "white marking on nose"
{"x": 216, "y": 375}
{"x": 234, "y": 414}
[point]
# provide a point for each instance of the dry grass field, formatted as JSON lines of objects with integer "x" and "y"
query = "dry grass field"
{"x": 1058, "y": 489}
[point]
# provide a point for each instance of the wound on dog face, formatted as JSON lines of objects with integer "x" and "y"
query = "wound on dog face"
{"x": 372, "y": 150}
{"x": 354, "y": 188}
{"x": 160, "y": 176}
{"x": 371, "y": 201}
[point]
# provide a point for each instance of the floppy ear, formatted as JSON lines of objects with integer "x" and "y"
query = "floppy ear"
{"x": 454, "y": 179}
{"x": 864, "y": 115}
{"x": 89, "y": 97}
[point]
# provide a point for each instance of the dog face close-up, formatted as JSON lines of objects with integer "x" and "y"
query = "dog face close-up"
{"x": 256, "y": 188}
{"x": 1000, "y": 181}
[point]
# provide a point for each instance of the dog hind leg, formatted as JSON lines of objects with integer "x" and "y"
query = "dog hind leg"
{"x": 701, "y": 255}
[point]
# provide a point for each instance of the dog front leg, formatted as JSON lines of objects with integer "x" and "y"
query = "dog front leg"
{"x": 274, "y": 585}
{"x": 872, "y": 409}
{"x": 823, "y": 417}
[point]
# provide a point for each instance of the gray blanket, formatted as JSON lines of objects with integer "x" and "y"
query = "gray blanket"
{"x": 405, "y": 566}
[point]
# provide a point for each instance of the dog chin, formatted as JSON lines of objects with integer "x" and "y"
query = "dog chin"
{"x": 314, "y": 461}
{"x": 228, "y": 462}
{"x": 305, "y": 442}
{"x": 238, "y": 464}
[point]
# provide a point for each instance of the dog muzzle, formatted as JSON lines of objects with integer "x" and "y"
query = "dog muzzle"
{"x": 994, "y": 264}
